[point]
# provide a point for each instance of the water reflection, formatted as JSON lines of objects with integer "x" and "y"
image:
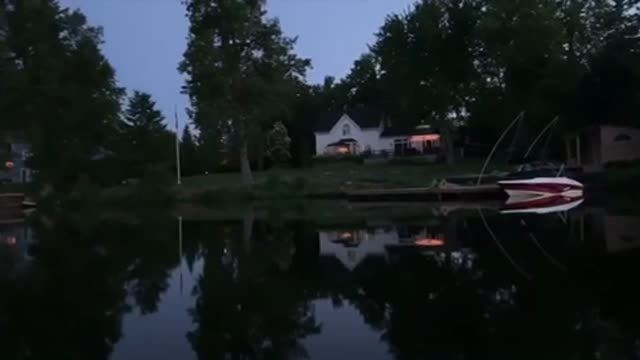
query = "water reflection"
{"x": 469, "y": 283}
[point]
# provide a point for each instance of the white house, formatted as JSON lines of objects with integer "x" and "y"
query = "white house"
{"x": 362, "y": 131}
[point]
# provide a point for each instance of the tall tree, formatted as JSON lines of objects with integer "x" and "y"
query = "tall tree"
{"x": 141, "y": 114}
{"x": 9, "y": 80}
{"x": 144, "y": 139}
{"x": 67, "y": 100}
{"x": 426, "y": 65}
{"x": 240, "y": 71}
{"x": 189, "y": 154}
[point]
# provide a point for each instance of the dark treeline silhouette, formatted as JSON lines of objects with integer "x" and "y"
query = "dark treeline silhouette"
{"x": 475, "y": 63}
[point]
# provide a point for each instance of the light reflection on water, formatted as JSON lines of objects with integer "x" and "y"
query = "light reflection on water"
{"x": 468, "y": 283}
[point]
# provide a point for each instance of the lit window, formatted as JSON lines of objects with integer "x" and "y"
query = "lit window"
{"x": 346, "y": 130}
{"x": 622, "y": 137}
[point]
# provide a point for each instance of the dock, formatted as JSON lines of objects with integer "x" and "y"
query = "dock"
{"x": 11, "y": 200}
{"x": 485, "y": 192}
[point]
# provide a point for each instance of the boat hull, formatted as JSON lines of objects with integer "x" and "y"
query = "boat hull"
{"x": 542, "y": 186}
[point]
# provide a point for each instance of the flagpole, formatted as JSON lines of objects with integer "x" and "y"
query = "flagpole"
{"x": 178, "y": 175}
{"x": 180, "y": 249}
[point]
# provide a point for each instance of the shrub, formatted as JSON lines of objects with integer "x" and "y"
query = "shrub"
{"x": 332, "y": 159}
{"x": 299, "y": 185}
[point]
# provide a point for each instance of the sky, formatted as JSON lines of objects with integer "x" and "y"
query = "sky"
{"x": 145, "y": 39}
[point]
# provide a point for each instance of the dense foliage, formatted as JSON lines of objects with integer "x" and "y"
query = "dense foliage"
{"x": 475, "y": 63}
{"x": 241, "y": 73}
{"x": 59, "y": 91}
{"x": 484, "y": 61}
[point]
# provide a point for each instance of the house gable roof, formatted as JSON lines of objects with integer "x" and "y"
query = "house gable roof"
{"x": 364, "y": 118}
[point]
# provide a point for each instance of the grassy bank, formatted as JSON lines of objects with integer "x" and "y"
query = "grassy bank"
{"x": 320, "y": 181}
{"x": 326, "y": 181}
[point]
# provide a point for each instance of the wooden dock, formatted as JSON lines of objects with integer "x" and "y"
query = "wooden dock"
{"x": 454, "y": 193}
{"x": 11, "y": 200}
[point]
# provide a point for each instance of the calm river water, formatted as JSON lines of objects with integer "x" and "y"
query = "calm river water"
{"x": 440, "y": 284}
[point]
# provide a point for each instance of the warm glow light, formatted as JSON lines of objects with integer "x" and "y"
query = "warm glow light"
{"x": 342, "y": 150}
{"x": 11, "y": 240}
{"x": 429, "y": 242}
{"x": 420, "y": 138}
{"x": 346, "y": 236}
{"x": 9, "y": 164}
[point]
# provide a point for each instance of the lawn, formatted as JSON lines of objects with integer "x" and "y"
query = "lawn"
{"x": 330, "y": 179}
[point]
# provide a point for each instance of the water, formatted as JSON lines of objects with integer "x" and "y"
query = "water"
{"x": 257, "y": 286}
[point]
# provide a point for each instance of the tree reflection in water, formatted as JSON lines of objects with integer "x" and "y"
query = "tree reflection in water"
{"x": 249, "y": 304}
{"x": 254, "y": 298}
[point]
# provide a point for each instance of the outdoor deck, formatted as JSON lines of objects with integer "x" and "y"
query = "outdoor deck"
{"x": 462, "y": 193}
{"x": 11, "y": 200}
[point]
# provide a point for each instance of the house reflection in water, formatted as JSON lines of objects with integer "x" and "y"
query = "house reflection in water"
{"x": 16, "y": 239}
{"x": 386, "y": 242}
{"x": 609, "y": 233}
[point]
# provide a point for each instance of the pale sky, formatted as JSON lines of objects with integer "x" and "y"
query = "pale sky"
{"x": 145, "y": 39}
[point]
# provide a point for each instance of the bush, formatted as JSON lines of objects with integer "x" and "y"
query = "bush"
{"x": 84, "y": 191}
{"x": 299, "y": 185}
{"x": 622, "y": 164}
{"x": 416, "y": 160}
{"x": 333, "y": 159}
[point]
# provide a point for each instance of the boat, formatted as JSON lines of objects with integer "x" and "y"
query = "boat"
{"x": 526, "y": 188}
{"x": 541, "y": 204}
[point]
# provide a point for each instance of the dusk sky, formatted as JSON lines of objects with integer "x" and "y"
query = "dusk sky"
{"x": 145, "y": 39}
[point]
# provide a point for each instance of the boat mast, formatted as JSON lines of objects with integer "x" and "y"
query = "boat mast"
{"x": 493, "y": 150}
{"x": 535, "y": 141}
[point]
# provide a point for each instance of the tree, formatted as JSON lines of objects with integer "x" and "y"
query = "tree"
{"x": 144, "y": 140}
{"x": 9, "y": 80}
{"x": 426, "y": 65}
{"x": 446, "y": 60}
{"x": 64, "y": 89}
{"x": 189, "y": 154}
{"x": 279, "y": 143}
{"x": 240, "y": 71}
{"x": 142, "y": 116}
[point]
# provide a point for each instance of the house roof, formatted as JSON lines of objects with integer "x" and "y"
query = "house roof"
{"x": 365, "y": 118}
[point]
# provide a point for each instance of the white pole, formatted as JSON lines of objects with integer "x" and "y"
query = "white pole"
{"x": 178, "y": 175}
{"x": 180, "y": 249}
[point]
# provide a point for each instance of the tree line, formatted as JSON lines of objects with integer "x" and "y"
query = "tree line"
{"x": 60, "y": 94}
{"x": 443, "y": 62}
{"x": 484, "y": 61}
{"x": 475, "y": 63}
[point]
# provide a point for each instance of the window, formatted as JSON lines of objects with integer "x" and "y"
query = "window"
{"x": 346, "y": 130}
{"x": 622, "y": 137}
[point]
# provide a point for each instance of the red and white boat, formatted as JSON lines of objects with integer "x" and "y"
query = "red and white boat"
{"x": 542, "y": 186}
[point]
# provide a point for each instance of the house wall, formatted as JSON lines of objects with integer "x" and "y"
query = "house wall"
{"x": 619, "y": 150}
{"x": 364, "y": 137}
{"x": 584, "y": 149}
{"x": 20, "y": 172}
{"x": 372, "y": 244}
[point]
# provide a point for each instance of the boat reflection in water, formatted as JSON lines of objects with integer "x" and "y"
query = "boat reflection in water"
{"x": 412, "y": 286}
{"x": 541, "y": 204}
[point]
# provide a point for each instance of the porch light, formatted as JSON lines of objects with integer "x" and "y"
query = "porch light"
{"x": 429, "y": 137}
{"x": 429, "y": 242}
{"x": 9, "y": 164}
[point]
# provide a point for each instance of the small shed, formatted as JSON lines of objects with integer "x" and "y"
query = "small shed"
{"x": 593, "y": 147}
